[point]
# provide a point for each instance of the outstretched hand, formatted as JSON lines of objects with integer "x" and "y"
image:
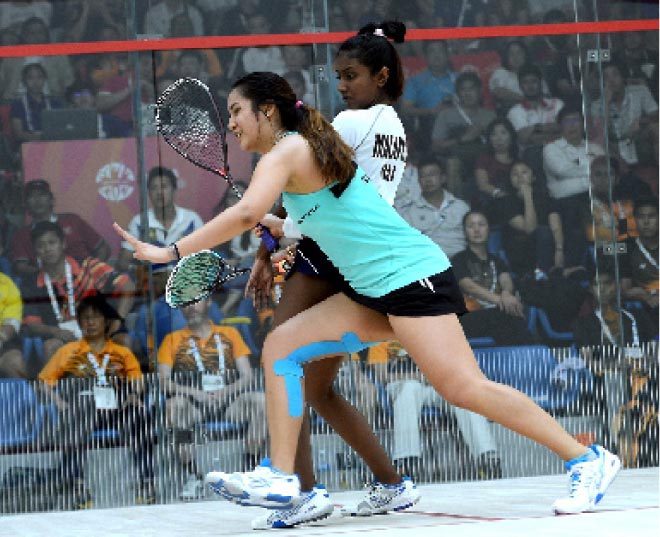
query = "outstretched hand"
{"x": 143, "y": 250}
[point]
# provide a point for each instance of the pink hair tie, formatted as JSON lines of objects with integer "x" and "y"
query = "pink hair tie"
{"x": 299, "y": 104}
{"x": 379, "y": 32}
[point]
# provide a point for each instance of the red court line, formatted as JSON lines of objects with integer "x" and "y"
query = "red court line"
{"x": 54, "y": 49}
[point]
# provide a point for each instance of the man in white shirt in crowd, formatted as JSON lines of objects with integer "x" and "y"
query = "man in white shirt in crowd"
{"x": 167, "y": 221}
{"x": 534, "y": 117}
{"x": 632, "y": 116}
{"x": 436, "y": 212}
{"x": 566, "y": 163}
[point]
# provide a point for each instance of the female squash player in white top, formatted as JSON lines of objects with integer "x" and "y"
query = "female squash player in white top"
{"x": 370, "y": 80}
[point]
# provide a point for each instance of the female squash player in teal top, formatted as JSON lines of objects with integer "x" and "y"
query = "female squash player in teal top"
{"x": 404, "y": 298}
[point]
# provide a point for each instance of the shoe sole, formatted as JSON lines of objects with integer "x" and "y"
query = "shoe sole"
{"x": 283, "y": 525}
{"x": 240, "y": 497}
{"x": 382, "y": 512}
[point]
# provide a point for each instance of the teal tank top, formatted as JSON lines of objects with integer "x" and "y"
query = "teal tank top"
{"x": 373, "y": 247}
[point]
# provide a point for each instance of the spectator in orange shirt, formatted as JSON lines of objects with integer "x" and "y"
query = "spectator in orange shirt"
{"x": 206, "y": 373}
{"x": 96, "y": 382}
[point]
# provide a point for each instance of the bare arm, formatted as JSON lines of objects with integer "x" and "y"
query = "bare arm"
{"x": 527, "y": 222}
{"x": 554, "y": 220}
{"x": 269, "y": 179}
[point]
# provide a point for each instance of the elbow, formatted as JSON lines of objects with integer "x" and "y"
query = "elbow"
{"x": 248, "y": 215}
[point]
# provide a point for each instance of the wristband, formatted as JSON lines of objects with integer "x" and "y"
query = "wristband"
{"x": 175, "y": 251}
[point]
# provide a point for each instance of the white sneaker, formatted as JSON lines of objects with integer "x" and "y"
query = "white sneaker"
{"x": 314, "y": 505}
{"x": 263, "y": 487}
{"x": 382, "y": 498}
{"x": 588, "y": 482}
{"x": 193, "y": 488}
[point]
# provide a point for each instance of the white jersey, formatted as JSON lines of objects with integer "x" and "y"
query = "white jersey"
{"x": 377, "y": 136}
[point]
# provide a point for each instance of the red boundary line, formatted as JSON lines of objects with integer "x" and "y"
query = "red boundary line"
{"x": 55, "y": 49}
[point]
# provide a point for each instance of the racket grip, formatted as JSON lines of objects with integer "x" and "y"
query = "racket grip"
{"x": 271, "y": 242}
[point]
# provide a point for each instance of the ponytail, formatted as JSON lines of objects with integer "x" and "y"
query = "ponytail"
{"x": 373, "y": 49}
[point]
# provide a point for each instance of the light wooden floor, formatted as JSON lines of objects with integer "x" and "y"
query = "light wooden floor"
{"x": 508, "y": 507}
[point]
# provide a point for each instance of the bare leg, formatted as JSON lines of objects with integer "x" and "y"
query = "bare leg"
{"x": 300, "y": 293}
{"x": 326, "y": 321}
{"x": 439, "y": 348}
{"x": 346, "y": 420}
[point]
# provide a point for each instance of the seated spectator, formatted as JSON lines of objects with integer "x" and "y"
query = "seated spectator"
{"x": 26, "y": 111}
{"x": 12, "y": 364}
{"x": 534, "y": 117}
{"x": 59, "y": 73}
{"x": 82, "y": 241}
{"x": 567, "y": 162}
{"x": 115, "y": 95}
{"x": 493, "y": 168}
{"x": 639, "y": 272}
{"x": 490, "y": 296}
{"x": 95, "y": 382}
{"x": 103, "y": 67}
{"x": 612, "y": 208}
{"x": 503, "y": 83}
{"x": 458, "y": 132}
{"x": 297, "y": 59}
{"x": 206, "y": 374}
{"x": 436, "y": 212}
{"x": 564, "y": 72}
{"x": 197, "y": 63}
{"x": 82, "y": 95}
{"x": 167, "y": 222}
{"x": 532, "y": 236}
{"x": 51, "y": 295}
{"x": 611, "y": 340}
{"x": 428, "y": 92}
{"x": 258, "y": 58}
{"x": 158, "y": 18}
{"x": 640, "y": 63}
{"x": 409, "y": 392}
{"x": 192, "y": 64}
{"x": 632, "y": 117}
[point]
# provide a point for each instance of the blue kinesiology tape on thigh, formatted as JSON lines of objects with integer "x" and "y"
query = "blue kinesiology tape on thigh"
{"x": 291, "y": 369}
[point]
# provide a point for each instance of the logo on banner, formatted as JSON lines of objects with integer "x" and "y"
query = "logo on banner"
{"x": 116, "y": 181}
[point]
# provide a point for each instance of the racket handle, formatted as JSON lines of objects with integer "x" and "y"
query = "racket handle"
{"x": 271, "y": 242}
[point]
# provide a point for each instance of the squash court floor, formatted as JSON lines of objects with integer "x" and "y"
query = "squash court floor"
{"x": 507, "y": 507}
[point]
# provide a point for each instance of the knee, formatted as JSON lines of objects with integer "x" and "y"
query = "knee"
{"x": 464, "y": 394}
{"x": 12, "y": 365}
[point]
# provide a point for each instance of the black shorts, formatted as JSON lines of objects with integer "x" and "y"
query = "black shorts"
{"x": 312, "y": 261}
{"x": 436, "y": 295}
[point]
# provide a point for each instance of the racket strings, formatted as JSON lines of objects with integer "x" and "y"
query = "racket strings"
{"x": 196, "y": 276}
{"x": 189, "y": 121}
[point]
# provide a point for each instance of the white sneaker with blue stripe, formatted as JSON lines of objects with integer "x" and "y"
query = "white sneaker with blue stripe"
{"x": 315, "y": 505}
{"x": 382, "y": 498}
{"x": 265, "y": 486}
{"x": 589, "y": 475}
